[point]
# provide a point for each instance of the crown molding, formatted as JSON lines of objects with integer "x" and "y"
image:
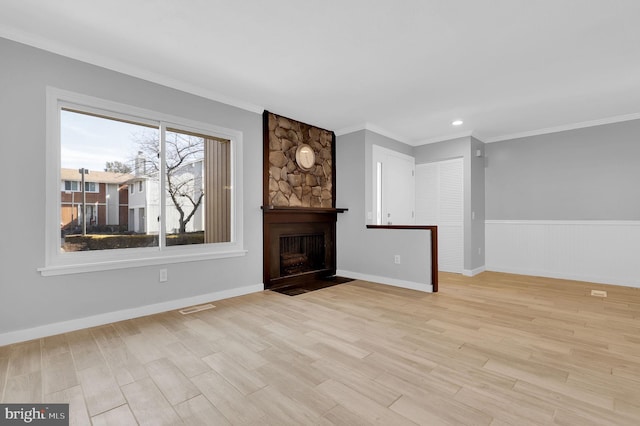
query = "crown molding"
{"x": 375, "y": 129}
{"x": 350, "y": 129}
{"x": 124, "y": 68}
{"x": 466, "y": 134}
{"x": 386, "y": 133}
{"x": 565, "y": 127}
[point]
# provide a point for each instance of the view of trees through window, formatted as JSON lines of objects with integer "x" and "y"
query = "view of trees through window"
{"x": 121, "y": 163}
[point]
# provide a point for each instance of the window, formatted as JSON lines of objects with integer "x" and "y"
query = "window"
{"x": 190, "y": 207}
{"x": 90, "y": 187}
{"x": 71, "y": 185}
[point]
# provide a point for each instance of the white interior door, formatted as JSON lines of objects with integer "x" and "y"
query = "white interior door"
{"x": 440, "y": 201}
{"x": 394, "y": 196}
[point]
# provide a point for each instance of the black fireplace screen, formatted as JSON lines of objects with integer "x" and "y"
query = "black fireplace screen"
{"x": 301, "y": 253}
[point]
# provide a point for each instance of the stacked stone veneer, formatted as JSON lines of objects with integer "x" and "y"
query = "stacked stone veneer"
{"x": 289, "y": 185}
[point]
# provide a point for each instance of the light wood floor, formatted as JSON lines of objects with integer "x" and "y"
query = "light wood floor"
{"x": 495, "y": 349}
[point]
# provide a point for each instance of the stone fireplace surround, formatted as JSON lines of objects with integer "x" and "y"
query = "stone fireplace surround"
{"x": 297, "y": 203}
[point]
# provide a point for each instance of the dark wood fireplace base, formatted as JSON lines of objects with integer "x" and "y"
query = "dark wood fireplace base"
{"x": 287, "y": 222}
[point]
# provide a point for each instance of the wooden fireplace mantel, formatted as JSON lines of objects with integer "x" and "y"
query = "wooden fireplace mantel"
{"x": 276, "y": 209}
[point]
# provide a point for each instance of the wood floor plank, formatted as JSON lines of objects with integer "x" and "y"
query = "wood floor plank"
{"x": 100, "y": 388}
{"x": 493, "y": 349}
{"x": 280, "y": 408}
{"x": 58, "y": 372}
{"x": 340, "y": 416}
{"x": 85, "y": 350}
{"x": 574, "y": 402}
{"x": 124, "y": 365}
{"x": 227, "y": 399}
{"x": 366, "y": 386}
{"x": 439, "y": 411}
{"x": 198, "y": 411}
{"x": 243, "y": 380}
{"x": 54, "y": 345}
{"x": 24, "y": 358}
{"x": 145, "y": 347}
{"x": 23, "y": 388}
{"x": 174, "y": 385}
{"x": 240, "y": 353}
{"x": 149, "y": 405}
{"x": 78, "y": 414}
{"x": 360, "y": 405}
{"x": 338, "y": 344}
{"x": 4, "y": 367}
{"x": 204, "y": 329}
{"x": 500, "y": 405}
{"x": 185, "y": 360}
{"x": 121, "y": 416}
{"x": 293, "y": 366}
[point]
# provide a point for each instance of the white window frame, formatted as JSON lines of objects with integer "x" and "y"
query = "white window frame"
{"x": 60, "y": 263}
{"x": 96, "y": 187}
{"x": 71, "y": 182}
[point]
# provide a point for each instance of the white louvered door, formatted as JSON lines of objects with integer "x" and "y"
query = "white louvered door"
{"x": 440, "y": 201}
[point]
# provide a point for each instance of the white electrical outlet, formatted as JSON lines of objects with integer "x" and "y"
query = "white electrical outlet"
{"x": 163, "y": 275}
{"x": 396, "y": 259}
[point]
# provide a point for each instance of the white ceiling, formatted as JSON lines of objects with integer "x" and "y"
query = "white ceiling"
{"x": 404, "y": 68}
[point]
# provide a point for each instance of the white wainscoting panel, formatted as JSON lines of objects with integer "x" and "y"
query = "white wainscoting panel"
{"x": 599, "y": 251}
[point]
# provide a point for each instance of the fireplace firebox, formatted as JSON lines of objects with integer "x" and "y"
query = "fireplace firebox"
{"x": 301, "y": 253}
{"x": 299, "y": 244}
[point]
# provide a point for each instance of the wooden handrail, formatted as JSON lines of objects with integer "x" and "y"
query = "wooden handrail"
{"x": 434, "y": 246}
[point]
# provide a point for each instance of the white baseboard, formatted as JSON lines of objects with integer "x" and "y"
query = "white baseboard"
{"x": 563, "y": 276}
{"x": 473, "y": 272}
{"x": 598, "y": 251}
{"x": 411, "y": 285}
{"x": 125, "y": 314}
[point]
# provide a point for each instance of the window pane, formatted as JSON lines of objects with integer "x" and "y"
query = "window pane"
{"x": 102, "y": 215}
{"x": 91, "y": 186}
{"x": 198, "y": 188}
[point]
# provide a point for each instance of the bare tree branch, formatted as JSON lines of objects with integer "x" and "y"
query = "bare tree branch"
{"x": 181, "y": 151}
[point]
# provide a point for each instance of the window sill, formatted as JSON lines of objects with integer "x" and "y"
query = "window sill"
{"x": 95, "y": 266}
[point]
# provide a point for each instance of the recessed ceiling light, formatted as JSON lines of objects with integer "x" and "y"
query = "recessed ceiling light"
{"x": 456, "y": 122}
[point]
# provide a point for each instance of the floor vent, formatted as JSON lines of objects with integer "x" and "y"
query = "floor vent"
{"x": 599, "y": 293}
{"x": 194, "y": 309}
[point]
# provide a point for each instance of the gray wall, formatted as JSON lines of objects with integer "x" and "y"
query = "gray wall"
{"x": 367, "y": 251}
{"x": 474, "y": 191}
{"x": 26, "y": 298}
{"x": 476, "y": 183}
{"x": 584, "y": 174}
{"x": 371, "y": 139}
